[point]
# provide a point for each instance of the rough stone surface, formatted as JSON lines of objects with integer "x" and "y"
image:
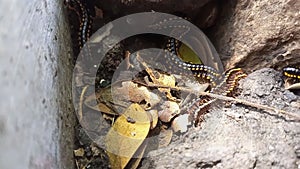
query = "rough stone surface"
{"x": 36, "y": 117}
{"x": 240, "y": 136}
{"x": 257, "y": 34}
{"x": 203, "y": 12}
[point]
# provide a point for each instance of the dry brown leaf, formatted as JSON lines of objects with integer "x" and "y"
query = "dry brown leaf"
{"x": 105, "y": 102}
{"x": 82, "y": 163}
{"x": 91, "y": 103}
{"x": 164, "y": 80}
{"x": 115, "y": 102}
{"x": 154, "y": 118}
{"x": 131, "y": 92}
{"x": 165, "y": 137}
{"x": 127, "y": 135}
{"x": 293, "y": 86}
{"x": 79, "y": 152}
{"x": 169, "y": 110}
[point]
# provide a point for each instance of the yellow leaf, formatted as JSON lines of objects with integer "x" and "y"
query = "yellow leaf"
{"x": 134, "y": 162}
{"x": 127, "y": 135}
{"x": 188, "y": 55}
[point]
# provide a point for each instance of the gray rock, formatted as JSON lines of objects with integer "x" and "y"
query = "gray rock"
{"x": 240, "y": 136}
{"x": 258, "y": 34}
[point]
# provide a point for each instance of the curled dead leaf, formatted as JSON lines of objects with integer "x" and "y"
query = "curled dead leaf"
{"x": 162, "y": 79}
{"x": 291, "y": 84}
{"x": 131, "y": 92}
{"x": 93, "y": 104}
{"x": 165, "y": 137}
{"x": 169, "y": 110}
{"x": 295, "y": 86}
{"x": 153, "y": 118}
{"x": 79, "y": 152}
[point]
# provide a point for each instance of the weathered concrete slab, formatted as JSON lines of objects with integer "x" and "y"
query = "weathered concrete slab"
{"x": 36, "y": 117}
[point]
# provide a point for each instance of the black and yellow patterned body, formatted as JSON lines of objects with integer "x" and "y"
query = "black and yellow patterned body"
{"x": 224, "y": 84}
{"x": 291, "y": 72}
{"x": 85, "y": 19}
{"x": 198, "y": 70}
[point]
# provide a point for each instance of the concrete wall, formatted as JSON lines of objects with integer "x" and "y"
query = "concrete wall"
{"x": 36, "y": 116}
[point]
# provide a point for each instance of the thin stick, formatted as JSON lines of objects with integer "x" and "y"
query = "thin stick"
{"x": 226, "y": 98}
{"x": 248, "y": 103}
{"x": 81, "y": 103}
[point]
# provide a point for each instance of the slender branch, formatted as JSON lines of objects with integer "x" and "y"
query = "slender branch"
{"x": 248, "y": 103}
{"x": 226, "y": 98}
{"x": 81, "y": 103}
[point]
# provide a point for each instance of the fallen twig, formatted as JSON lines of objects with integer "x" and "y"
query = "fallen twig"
{"x": 226, "y": 98}
{"x": 248, "y": 103}
{"x": 81, "y": 102}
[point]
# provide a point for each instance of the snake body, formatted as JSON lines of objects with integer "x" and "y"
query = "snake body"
{"x": 85, "y": 19}
{"x": 291, "y": 72}
{"x": 224, "y": 84}
{"x": 198, "y": 70}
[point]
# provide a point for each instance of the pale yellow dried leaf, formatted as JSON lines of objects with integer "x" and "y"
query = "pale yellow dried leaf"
{"x": 127, "y": 135}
